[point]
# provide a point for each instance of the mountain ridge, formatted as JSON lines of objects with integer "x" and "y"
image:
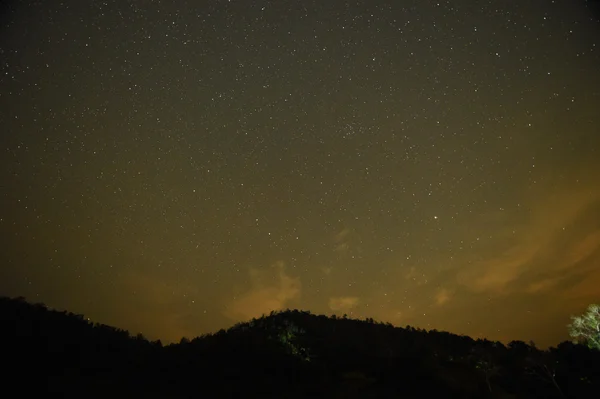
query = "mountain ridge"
{"x": 286, "y": 354}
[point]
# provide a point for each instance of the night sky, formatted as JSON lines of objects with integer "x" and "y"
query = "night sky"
{"x": 175, "y": 167}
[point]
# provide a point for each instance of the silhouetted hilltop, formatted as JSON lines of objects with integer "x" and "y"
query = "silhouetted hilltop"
{"x": 289, "y": 354}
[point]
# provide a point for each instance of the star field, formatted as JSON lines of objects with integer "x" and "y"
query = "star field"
{"x": 176, "y": 167}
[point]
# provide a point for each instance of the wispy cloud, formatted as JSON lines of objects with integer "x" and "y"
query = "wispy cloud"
{"x": 341, "y": 241}
{"x": 264, "y": 297}
{"x": 543, "y": 246}
{"x": 584, "y": 249}
{"x": 341, "y": 235}
{"x": 542, "y": 285}
{"x": 156, "y": 307}
{"x": 494, "y": 274}
{"x": 343, "y": 303}
{"x": 442, "y": 297}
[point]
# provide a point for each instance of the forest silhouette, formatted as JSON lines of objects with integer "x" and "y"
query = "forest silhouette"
{"x": 287, "y": 354}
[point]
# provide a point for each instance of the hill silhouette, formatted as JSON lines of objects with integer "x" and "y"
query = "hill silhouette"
{"x": 287, "y": 354}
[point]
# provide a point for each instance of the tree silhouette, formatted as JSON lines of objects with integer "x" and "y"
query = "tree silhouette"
{"x": 543, "y": 365}
{"x": 288, "y": 354}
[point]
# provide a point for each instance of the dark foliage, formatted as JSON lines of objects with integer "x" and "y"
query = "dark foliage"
{"x": 290, "y": 354}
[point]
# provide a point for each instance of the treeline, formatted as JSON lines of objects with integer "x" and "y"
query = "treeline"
{"x": 288, "y": 354}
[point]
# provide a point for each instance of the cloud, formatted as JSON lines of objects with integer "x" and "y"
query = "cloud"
{"x": 534, "y": 254}
{"x": 442, "y": 297}
{"x": 342, "y": 241}
{"x": 569, "y": 260}
{"x": 583, "y": 249}
{"x": 263, "y": 297}
{"x": 156, "y": 308}
{"x": 415, "y": 276}
{"x": 341, "y": 236}
{"x": 343, "y": 303}
{"x": 585, "y": 291}
{"x": 411, "y": 274}
{"x": 542, "y": 285}
{"x": 495, "y": 273}
{"x": 343, "y": 247}
{"x": 515, "y": 272}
